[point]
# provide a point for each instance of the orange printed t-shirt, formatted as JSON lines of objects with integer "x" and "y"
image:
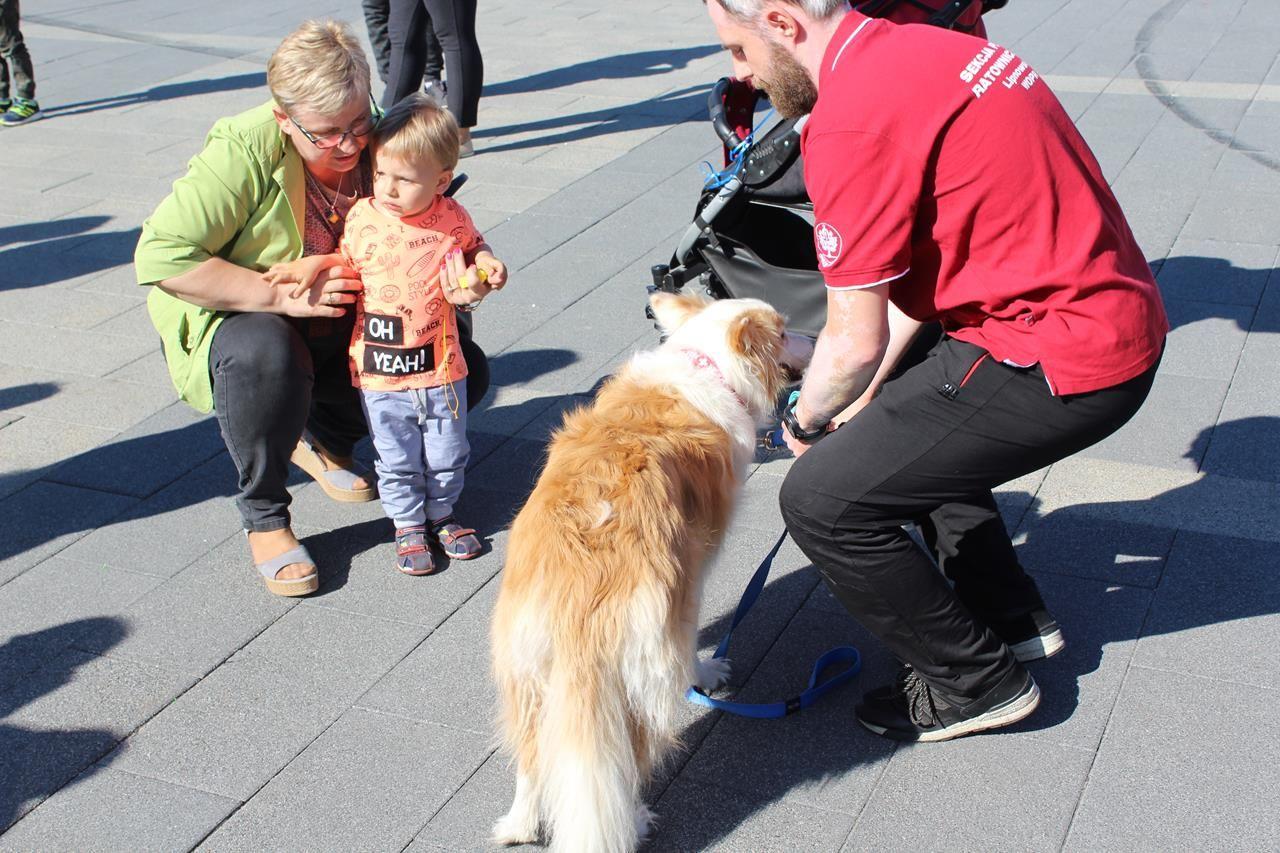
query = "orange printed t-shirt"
{"x": 406, "y": 334}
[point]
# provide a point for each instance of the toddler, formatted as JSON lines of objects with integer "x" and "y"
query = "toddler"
{"x": 421, "y": 259}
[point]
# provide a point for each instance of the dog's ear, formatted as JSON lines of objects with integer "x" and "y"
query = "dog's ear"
{"x": 757, "y": 335}
{"x": 671, "y": 310}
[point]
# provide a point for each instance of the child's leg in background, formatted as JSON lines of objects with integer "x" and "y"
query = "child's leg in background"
{"x": 444, "y": 436}
{"x": 395, "y": 423}
{"x": 14, "y": 51}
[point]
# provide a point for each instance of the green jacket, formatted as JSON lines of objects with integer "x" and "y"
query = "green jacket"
{"x": 241, "y": 200}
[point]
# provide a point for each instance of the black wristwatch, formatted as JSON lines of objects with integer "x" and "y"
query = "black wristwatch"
{"x": 797, "y": 432}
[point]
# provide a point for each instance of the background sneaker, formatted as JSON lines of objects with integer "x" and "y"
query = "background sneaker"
{"x": 20, "y": 111}
{"x": 5, "y": 103}
{"x": 1031, "y": 637}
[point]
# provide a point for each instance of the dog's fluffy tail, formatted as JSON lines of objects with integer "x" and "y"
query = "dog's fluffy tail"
{"x": 592, "y": 782}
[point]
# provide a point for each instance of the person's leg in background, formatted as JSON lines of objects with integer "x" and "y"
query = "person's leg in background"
{"x": 375, "y": 21}
{"x": 17, "y": 105}
{"x": 406, "y": 33}
{"x": 454, "y": 22}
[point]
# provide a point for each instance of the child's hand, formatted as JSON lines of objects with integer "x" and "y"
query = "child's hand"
{"x": 462, "y": 284}
{"x": 302, "y": 272}
{"x": 494, "y": 269}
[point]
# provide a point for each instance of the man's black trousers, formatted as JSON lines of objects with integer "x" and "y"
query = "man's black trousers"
{"x": 929, "y": 449}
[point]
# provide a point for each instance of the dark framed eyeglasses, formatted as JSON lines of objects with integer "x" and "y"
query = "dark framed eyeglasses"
{"x": 362, "y": 128}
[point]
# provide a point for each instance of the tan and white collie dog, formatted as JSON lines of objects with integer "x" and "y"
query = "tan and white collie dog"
{"x": 594, "y": 631}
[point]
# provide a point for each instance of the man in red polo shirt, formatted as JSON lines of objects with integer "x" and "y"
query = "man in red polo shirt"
{"x": 948, "y": 186}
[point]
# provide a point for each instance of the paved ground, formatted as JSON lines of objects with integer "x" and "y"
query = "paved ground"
{"x": 153, "y": 696}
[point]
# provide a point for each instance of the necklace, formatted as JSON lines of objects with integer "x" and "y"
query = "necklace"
{"x": 332, "y": 215}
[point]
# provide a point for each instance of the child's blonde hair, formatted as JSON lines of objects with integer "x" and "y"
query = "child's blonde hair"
{"x": 418, "y": 127}
{"x": 320, "y": 66}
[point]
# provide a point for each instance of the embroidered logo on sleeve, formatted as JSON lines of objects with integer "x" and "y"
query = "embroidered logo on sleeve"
{"x": 828, "y": 242}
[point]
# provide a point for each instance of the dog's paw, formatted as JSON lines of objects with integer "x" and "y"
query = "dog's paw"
{"x": 514, "y": 829}
{"x": 644, "y": 822}
{"x": 712, "y": 673}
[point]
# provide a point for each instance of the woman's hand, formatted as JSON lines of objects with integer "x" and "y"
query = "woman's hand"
{"x": 463, "y": 285}
{"x": 333, "y": 289}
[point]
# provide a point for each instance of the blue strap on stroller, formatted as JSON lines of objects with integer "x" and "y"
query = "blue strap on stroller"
{"x": 773, "y": 710}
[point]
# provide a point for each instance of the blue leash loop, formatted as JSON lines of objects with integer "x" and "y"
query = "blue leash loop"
{"x": 774, "y": 710}
{"x": 714, "y": 180}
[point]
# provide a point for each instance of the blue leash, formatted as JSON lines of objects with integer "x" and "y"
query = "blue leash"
{"x": 816, "y": 689}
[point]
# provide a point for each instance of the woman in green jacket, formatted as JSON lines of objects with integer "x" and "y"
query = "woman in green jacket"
{"x": 273, "y": 184}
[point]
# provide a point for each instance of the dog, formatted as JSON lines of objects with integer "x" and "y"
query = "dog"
{"x": 594, "y": 631}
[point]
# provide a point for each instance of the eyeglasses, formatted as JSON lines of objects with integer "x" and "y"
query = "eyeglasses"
{"x": 362, "y": 128}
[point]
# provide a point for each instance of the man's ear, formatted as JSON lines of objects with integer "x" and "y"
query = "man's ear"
{"x": 782, "y": 24}
{"x": 671, "y": 310}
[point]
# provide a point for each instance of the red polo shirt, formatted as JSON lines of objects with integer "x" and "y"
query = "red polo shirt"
{"x": 942, "y": 164}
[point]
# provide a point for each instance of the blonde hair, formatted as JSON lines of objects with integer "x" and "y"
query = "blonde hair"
{"x": 418, "y": 127}
{"x": 320, "y": 66}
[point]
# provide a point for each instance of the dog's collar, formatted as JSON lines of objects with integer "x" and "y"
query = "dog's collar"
{"x": 702, "y": 361}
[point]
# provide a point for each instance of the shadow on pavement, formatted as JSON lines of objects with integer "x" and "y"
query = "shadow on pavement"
{"x": 625, "y": 66}
{"x": 166, "y": 92}
{"x": 575, "y": 127}
{"x": 30, "y": 392}
{"x": 1195, "y": 288}
{"x": 35, "y": 762}
{"x": 55, "y": 251}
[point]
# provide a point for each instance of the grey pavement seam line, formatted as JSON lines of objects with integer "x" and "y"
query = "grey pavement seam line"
{"x": 383, "y": 712}
{"x": 1181, "y": 672}
{"x": 138, "y": 38}
{"x": 871, "y": 792}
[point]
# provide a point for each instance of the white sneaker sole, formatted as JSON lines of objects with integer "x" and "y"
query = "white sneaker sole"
{"x": 1015, "y": 709}
{"x": 1038, "y": 648}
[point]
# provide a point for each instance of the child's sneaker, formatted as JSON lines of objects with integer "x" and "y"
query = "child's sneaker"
{"x": 20, "y": 111}
{"x": 413, "y": 557}
{"x": 457, "y": 542}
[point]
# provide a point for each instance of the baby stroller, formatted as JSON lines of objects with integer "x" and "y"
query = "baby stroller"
{"x": 752, "y": 230}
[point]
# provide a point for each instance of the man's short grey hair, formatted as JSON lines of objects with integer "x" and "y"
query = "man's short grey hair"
{"x": 748, "y": 10}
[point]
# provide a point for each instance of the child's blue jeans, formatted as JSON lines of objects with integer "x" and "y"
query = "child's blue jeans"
{"x": 421, "y": 439}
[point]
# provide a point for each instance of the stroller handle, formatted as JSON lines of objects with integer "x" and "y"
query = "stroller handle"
{"x": 719, "y": 121}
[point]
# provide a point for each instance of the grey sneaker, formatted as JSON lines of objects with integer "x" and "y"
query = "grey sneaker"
{"x": 435, "y": 90}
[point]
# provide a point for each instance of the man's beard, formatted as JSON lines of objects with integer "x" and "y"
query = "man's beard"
{"x": 788, "y": 85}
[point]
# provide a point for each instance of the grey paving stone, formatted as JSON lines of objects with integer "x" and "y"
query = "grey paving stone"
{"x": 223, "y": 604}
{"x": 147, "y": 369}
{"x": 370, "y": 781}
{"x": 103, "y": 810}
{"x": 95, "y": 354}
{"x": 166, "y": 532}
{"x": 147, "y": 457}
{"x": 108, "y": 404}
{"x": 251, "y": 716}
{"x": 1217, "y": 612}
{"x": 44, "y": 518}
{"x": 1186, "y": 780}
{"x": 446, "y": 679}
{"x": 50, "y": 606}
{"x": 1013, "y": 793}
{"x": 34, "y": 446}
{"x": 66, "y": 716}
{"x": 699, "y": 816}
{"x": 1171, "y": 430}
{"x": 56, "y": 308}
{"x": 1210, "y": 271}
{"x": 1230, "y": 216}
